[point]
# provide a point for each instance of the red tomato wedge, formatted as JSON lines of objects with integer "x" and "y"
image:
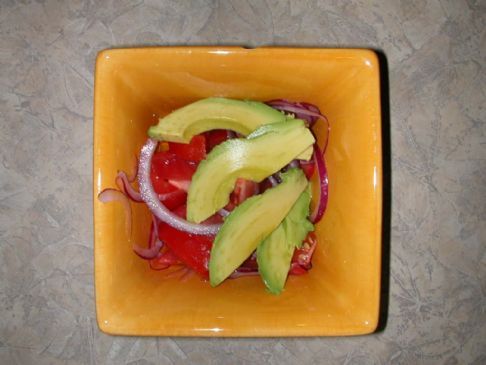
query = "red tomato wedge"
{"x": 243, "y": 190}
{"x": 175, "y": 199}
{"x": 308, "y": 167}
{"x": 303, "y": 256}
{"x": 215, "y": 137}
{"x": 167, "y": 165}
{"x": 296, "y": 269}
{"x": 161, "y": 185}
{"x": 193, "y": 250}
{"x": 193, "y": 151}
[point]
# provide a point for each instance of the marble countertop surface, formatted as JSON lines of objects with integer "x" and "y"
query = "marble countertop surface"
{"x": 437, "y": 274}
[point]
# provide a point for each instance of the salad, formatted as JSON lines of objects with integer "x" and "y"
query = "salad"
{"x": 228, "y": 184}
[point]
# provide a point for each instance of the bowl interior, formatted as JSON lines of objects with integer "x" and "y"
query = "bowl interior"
{"x": 340, "y": 294}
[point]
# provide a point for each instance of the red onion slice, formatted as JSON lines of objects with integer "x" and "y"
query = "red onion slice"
{"x": 148, "y": 253}
{"x": 149, "y": 196}
{"x": 306, "y": 111}
{"x": 223, "y": 212}
{"x": 310, "y": 107}
{"x": 111, "y": 195}
{"x": 293, "y": 163}
{"x": 273, "y": 181}
{"x": 239, "y": 274}
{"x": 320, "y": 208}
{"x": 299, "y": 111}
{"x": 123, "y": 182}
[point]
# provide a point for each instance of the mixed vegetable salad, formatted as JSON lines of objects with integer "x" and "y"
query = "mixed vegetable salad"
{"x": 228, "y": 183}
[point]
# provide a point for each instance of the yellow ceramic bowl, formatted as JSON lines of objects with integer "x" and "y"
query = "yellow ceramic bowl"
{"x": 340, "y": 295}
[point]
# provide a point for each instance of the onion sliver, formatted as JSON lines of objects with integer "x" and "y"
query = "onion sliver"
{"x": 123, "y": 182}
{"x": 223, "y": 212}
{"x": 293, "y": 163}
{"x": 306, "y": 111}
{"x": 273, "y": 181}
{"x": 323, "y": 185}
{"x": 238, "y": 274}
{"x": 148, "y": 253}
{"x": 299, "y": 111}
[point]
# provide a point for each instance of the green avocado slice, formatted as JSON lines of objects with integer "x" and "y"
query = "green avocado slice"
{"x": 242, "y": 116}
{"x": 251, "y": 222}
{"x": 255, "y": 158}
{"x": 274, "y": 253}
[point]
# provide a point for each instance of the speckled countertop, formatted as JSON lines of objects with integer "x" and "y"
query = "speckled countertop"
{"x": 437, "y": 275}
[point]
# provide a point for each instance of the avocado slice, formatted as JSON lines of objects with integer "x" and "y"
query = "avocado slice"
{"x": 250, "y": 223}
{"x": 255, "y": 158}
{"x": 274, "y": 253}
{"x": 242, "y": 116}
{"x": 275, "y": 128}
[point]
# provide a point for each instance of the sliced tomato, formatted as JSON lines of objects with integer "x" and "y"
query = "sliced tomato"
{"x": 193, "y": 151}
{"x": 167, "y": 165}
{"x": 303, "y": 255}
{"x": 243, "y": 190}
{"x": 296, "y": 269}
{"x": 215, "y": 137}
{"x": 193, "y": 250}
{"x": 169, "y": 172}
{"x": 308, "y": 167}
{"x": 175, "y": 199}
{"x": 161, "y": 185}
{"x": 180, "y": 211}
{"x": 230, "y": 206}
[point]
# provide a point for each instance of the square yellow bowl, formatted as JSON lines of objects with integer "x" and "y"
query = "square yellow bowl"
{"x": 340, "y": 295}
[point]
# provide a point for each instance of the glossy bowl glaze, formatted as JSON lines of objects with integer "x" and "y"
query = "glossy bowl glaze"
{"x": 340, "y": 295}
